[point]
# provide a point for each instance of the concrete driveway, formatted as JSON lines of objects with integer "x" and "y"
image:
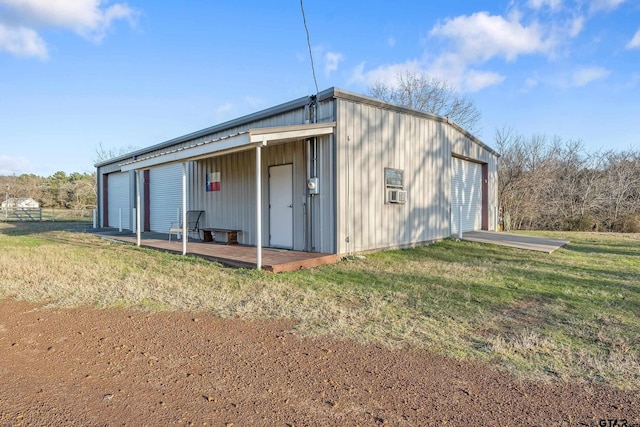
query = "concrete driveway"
{"x": 532, "y": 243}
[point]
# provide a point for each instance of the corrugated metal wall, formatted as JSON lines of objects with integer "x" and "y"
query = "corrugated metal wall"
{"x": 371, "y": 138}
{"x": 119, "y": 195}
{"x": 165, "y": 191}
{"x": 234, "y": 205}
{"x": 323, "y": 205}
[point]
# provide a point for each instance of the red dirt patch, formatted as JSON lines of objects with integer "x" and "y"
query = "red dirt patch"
{"x": 104, "y": 367}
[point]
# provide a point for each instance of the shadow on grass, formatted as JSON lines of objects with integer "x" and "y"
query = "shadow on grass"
{"x": 606, "y": 248}
{"x": 25, "y": 228}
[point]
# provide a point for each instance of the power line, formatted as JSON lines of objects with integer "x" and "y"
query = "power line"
{"x": 313, "y": 68}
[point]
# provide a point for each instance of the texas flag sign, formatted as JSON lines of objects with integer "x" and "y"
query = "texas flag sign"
{"x": 213, "y": 181}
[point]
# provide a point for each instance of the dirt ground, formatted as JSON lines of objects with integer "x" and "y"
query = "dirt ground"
{"x": 118, "y": 367}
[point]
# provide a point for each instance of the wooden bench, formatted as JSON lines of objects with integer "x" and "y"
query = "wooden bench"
{"x": 209, "y": 235}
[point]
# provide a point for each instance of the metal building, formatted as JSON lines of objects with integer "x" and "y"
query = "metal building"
{"x": 335, "y": 173}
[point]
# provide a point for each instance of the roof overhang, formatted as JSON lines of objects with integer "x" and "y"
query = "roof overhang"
{"x": 230, "y": 144}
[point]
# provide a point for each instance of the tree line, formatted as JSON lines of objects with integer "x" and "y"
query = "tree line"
{"x": 73, "y": 191}
{"x": 554, "y": 184}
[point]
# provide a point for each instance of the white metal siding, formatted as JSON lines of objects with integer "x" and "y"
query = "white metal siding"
{"x": 119, "y": 198}
{"x": 466, "y": 193}
{"x": 165, "y": 196}
{"x": 371, "y": 137}
{"x": 322, "y": 205}
{"x": 234, "y": 205}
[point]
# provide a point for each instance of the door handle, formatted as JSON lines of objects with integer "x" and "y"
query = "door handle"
{"x": 291, "y": 206}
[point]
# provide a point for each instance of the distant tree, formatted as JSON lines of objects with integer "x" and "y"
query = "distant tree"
{"x": 419, "y": 91}
{"x": 560, "y": 185}
{"x": 74, "y": 191}
{"x": 103, "y": 154}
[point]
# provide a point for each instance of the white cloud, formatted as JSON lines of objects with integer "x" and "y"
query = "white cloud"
{"x": 477, "y": 80}
{"x": 391, "y": 42}
{"x": 472, "y": 44}
{"x": 22, "y": 41}
{"x": 576, "y": 26}
{"x": 480, "y": 37}
{"x": 331, "y": 61}
{"x": 13, "y": 165}
{"x": 89, "y": 18}
{"x": 634, "y": 43}
{"x": 384, "y": 73}
{"x": 585, "y": 75}
{"x": 539, "y": 4}
{"x": 445, "y": 68}
{"x": 604, "y": 5}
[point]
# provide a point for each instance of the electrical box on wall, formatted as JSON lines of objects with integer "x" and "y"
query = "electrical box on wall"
{"x": 312, "y": 186}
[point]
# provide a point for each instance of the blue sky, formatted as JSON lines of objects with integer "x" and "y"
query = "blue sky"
{"x": 75, "y": 74}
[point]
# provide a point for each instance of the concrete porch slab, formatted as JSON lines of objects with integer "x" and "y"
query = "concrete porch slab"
{"x": 532, "y": 243}
{"x": 241, "y": 256}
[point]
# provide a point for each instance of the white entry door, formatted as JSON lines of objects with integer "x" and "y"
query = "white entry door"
{"x": 281, "y": 206}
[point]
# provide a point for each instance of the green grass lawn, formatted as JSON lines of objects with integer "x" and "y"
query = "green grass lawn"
{"x": 572, "y": 315}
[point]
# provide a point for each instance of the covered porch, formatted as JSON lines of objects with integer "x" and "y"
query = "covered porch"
{"x": 239, "y": 256}
{"x": 249, "y": 141}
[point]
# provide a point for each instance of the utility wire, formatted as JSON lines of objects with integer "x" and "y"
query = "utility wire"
{"x": 313, "y": 68}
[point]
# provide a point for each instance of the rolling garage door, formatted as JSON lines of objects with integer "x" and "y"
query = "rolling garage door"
{"x": 165, "y": 196}
{"x": 466, "y": 192}
{"x": 118, "y": 185}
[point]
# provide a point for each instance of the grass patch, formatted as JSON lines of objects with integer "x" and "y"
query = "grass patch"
{"x": 573, "y": 315}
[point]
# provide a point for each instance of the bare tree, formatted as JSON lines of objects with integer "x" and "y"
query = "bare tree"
{"x": 419, "y": 91}
{"x": 103, "y": 153}
{"x": 560, "y": 185}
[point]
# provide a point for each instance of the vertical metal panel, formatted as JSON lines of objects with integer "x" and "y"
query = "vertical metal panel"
{"x": 323, "y": 204}
{"x": 370, "y": 138}
{"x": 102, "y": 187}
{"x": 234, "y": 205}
{"x": 165, "y": 196}
{"x": 119, "y": 196}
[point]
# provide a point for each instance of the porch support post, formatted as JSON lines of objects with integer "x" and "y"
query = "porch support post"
{"x": 138, "y": 208}
{"x": 184, "y": 208}
{"x": 258, "y": 207}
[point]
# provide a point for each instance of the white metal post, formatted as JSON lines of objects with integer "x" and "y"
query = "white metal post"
{"x": 258, "y": 207}
{"x": 120, "y": 219}
{"x": 95, "y": 218}
{"x": 138, "y": 231}
{"x": 460, "y": 224}
{"x": 184, "y": 208}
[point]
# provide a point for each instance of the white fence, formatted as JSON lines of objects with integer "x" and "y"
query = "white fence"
{"x": 47, "y": 214}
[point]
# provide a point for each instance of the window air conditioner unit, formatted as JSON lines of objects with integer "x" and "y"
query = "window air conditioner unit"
{"x": 397, "y": 196}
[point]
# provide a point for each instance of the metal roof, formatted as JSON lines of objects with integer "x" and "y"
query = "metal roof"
{"x": 281, "y": 108}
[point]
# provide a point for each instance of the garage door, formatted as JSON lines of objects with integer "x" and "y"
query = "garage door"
{"x": 466, "y": 192}
{"x": 119, "y": 199}
{"x": 165, "y": 196}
